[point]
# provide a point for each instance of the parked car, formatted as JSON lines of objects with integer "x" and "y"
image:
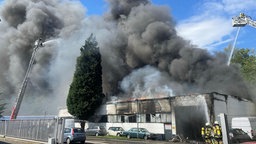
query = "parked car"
{"x": 115, "y": 131}
{"x": 247, "y": 124}
{"x": 96, "y": 131}
{"x": 72, "y": 135}
{"x": 238, "y": 136}
{"x": 138, "y": 132}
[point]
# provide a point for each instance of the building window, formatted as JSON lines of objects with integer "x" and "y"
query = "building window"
{"x": 103, "y": 118}
{"x": 148, "y": 118}
{"x": 132, "y": 118}
{"x": 122, "y": 119}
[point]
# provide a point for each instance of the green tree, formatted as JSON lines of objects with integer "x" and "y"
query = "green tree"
{"x": 247, "y": 59}
{"x": 85, "y": 93}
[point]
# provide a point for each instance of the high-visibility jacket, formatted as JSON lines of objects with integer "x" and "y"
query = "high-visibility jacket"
{"x": 217, "y": 133}
{"x": 206, "y": 132}
{"x": 202, "y": 132}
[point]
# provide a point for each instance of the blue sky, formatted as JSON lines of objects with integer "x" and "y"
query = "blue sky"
{"x": 206, "y": 23}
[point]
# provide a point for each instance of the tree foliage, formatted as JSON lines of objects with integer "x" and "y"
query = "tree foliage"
{"x": 85, "y": 94}
{"x": 247, "y": 59}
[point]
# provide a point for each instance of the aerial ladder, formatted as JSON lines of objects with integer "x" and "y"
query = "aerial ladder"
{"x": 16, "y": 107}
{"x": 242, "y": 20}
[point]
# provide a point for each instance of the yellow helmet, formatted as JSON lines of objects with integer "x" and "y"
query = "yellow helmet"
{"x": 216, "y": 122}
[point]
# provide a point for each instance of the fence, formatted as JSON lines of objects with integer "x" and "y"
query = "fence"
{"x": 36, "y": 129}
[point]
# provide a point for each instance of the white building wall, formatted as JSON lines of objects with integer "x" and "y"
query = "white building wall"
{"x": 233, "y": 107}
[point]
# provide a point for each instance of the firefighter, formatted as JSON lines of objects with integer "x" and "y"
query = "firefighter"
{"x": 217, "y": 133}
{"x": 242, "y": 15}
{"x": 206, "y": 133}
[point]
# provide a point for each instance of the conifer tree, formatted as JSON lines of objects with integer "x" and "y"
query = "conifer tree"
{"x": 85, "y": 94}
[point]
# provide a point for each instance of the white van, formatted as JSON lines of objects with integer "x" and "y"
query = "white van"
{"x": 247, "y": 124}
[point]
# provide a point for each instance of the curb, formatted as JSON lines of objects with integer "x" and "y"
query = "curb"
{"x": 23, "y": 140}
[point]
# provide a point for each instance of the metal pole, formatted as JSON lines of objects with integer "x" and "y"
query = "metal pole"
{"x": 56, "y": 130}
{"x": 62, "y": 130}
{"x": 233, "y": 47}
{"x": 224, "y": 128}
{"x": 5, "y": 128}
{"x": 137, "y": 118}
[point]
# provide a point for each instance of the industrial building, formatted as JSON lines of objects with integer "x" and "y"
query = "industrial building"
{"x": 182, "y": 115}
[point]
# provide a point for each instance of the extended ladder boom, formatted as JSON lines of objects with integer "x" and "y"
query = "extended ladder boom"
{"x": 18, "y": 101}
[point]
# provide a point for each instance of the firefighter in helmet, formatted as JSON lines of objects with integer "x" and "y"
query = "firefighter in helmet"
{"x": 206, "y": 133}
{"x": 217, "y": 133}
{"x": 242, "y": 15}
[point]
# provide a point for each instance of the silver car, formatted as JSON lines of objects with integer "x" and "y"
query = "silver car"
{"x": 72, "y": 135}
{"x": 96, "y": 131}
{"x": 115, "y": 131}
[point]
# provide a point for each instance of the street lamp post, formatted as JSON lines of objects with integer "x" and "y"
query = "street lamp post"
{"x": 16, "y": 108}
{"x": 137, "y": 117}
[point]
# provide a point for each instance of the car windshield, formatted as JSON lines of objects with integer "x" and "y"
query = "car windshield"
{"x": 133, "y": 129}
{"x": 143, "y": 130}
{"x": 114, "y": 128}
{"x": 78, "y": 130}
{"x": 239, "y": 132}
{"x": 67, "y": 130}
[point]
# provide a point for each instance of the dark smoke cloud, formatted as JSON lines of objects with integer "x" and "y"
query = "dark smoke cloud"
{"x": 148, "y": 40}
{"x": 141, "y": 53}
{"x": 23, "y": 22}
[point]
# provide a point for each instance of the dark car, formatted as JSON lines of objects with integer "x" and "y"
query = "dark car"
{"x": 72, "y": 135}
{"x": 238, "y": 136}
{"x": 96, "y": 131}
{"x": 139, "y": 132}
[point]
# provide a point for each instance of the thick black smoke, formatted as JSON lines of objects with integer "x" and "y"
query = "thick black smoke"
{"x": 154, "y": 57}
{"x": 141, "y": 53}
{"x": 23, "y": 22}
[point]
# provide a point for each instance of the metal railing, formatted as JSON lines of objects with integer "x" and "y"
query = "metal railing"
{"x": 37, "y": 129}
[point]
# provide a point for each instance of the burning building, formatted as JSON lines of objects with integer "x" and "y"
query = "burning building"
{"x": 183, "y": 115}
{"x": 142, "y": 55}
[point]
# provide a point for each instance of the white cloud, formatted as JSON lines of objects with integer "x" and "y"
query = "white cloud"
{"x": 237, "y": 6}
{"x": 205, "y": 32}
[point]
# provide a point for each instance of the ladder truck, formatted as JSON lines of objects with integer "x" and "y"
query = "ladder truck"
{"x": 242, "y": 20}
{"x": 16, "y": 107}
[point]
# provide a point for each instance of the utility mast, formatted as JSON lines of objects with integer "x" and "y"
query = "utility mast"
{"x": 18, "y": 101}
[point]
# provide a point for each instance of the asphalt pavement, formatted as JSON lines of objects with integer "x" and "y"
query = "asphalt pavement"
{"x": 9, "y": 140}
{"x": 90, "y": 140}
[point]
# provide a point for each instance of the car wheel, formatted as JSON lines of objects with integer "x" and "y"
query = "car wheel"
{"x": 82, "y": 142}
{"x": 128, "y": 136}
{"x": 97, "y": 134}
{"x": 68, "y": 141}
{"x": 118, "y": 134}
{"x": 145, "y": 137}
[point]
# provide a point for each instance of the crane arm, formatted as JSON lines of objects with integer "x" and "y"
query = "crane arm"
{"x": 252, "y": 23}
{"x": 242, "y": 20}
